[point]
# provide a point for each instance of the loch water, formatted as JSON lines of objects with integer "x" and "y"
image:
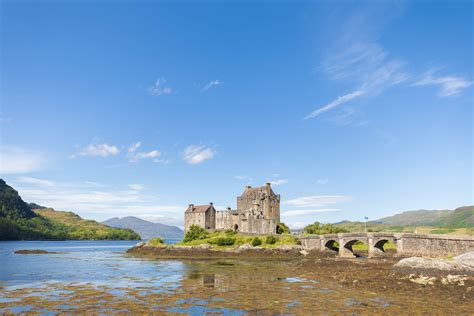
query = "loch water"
{"x": 99, "y": 276}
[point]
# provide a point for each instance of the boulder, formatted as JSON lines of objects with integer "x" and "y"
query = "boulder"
{"x": 466, "y": 259}
{"x": 425, "y": 264}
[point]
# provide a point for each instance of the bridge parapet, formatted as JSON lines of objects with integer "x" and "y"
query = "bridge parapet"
{"x": 407, "y": 243}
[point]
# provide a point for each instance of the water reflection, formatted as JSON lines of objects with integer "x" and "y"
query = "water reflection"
{"x": 99, "y": 277}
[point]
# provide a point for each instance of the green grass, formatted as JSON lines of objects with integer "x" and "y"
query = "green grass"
{"x": 214, "y": 238}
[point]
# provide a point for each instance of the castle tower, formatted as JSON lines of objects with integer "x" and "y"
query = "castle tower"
{"x": 262, "y": 200}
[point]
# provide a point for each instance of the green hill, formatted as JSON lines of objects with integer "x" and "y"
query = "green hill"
{"x": 19, "y": 222}
{"x": 419, "y": 217}
{"x": 460, "y": 217}
{"x": 458, "y": 221}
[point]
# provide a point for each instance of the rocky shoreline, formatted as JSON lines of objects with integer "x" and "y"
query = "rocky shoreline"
{"x": 206, "y": 251}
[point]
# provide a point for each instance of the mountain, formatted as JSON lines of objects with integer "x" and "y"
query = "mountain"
{"x": 19, "y": 222}
{"x": 460, "y": 217}
{"x": 419, "y": 217}
{"x": 410, "y": 221}
{"x": 145, "y": 228}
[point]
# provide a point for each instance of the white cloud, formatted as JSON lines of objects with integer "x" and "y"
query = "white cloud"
{"x": 14, "y": 160}
{"x": 134, "y": 156}
{"x": 210, "y": 84}
{"x": 338, "y": 101}
{"x": 317, "y": 200}
{"x": 194, "y": 154}
{"x": 136, "y": 186}
{"x": 36, "y": 181}
{"x": 322, "y": 181}
{"x": 99, "y": 204}
{"x": 448, "y": 85}
{"x": 291, "y": 213}
{"x": 134, "y": 147}
{"x": 278, "y": 182}
{"x": 159, "y": 88}
{"x": 99, "y": 150}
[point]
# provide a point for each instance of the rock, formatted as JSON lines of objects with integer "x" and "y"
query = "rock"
{"x": 34, "y": 252}
{"x": 423, "y": 280}
{"x": 140, "y": 244}
{"x": 466, "y": 259}
{"x": 449, "y": 279}
{"x": 288, "y": 247}
{"x": 204, "y": 246}
{"x": 417, "y": 263}
{"x": 304, "y": 252}
{"x": 244, "y": 247}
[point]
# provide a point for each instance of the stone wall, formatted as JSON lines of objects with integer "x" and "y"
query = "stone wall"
{"x": 224, "y": 220}
{"x": 194, "y": 219}
{"x": 434, "y": 245}
{"x": 407, "y": 244}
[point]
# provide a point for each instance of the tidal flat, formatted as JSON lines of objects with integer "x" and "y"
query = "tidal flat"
{"x": 98, "y": 277}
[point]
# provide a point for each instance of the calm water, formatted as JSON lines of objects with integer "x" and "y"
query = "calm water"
{"x": 99, "y": 276}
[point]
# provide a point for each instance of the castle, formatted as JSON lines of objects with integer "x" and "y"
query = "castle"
{"x": 258, "y": 212}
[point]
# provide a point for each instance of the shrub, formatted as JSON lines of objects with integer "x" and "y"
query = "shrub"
{"x": 224, "y": 241}
{"x": 271, "y": 240}
{"x": 256, "y": 242}
{"x": 230, "y": 232}
{"x": 321, "y": 229}
{"x": 282, "y": 228}
{"x": 156, "y": 241}
{"x": 195, "y": 233}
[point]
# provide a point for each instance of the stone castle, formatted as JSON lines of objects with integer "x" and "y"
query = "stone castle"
{"x": 258, "y": 212}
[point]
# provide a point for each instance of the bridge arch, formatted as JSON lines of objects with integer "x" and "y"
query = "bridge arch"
{"x": 331, "y": 244}
{"x": 348, "y": 247}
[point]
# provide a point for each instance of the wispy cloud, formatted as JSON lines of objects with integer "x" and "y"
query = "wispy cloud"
{"x": 36, "y": 181}
{"x": 97, "y": 203}
{"x": 159, "y": 88}
{"x": 338, "y": 101}
{"x": 291, "y": 213}
{"x": 15, "y": 160}
{"x": 194, "y": 154}
{"x": 367, "y": 65}
{"x": 134, "y": 156}
{"x": 279, "y": 182}
{"x": 136, "y": 186}
{"x": 210, "y": 84}
{"x": 322, "y": 181}
{"x": 448, "y": 85}
{"x": 317, "y": 200}
{"x": 98, "y": 150}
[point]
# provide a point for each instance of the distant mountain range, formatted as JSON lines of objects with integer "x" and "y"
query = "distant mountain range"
{"x": 449, "y": 220}
{"x": 145, "y": 228}
{"x": 460, "y": 217}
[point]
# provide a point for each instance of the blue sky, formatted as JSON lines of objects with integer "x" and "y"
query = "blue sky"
{"x": 350, "y": 109}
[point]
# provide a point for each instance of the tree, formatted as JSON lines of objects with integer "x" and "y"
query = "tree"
{"x": 282, "y": 228}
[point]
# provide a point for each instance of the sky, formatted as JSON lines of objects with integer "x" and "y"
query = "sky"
{"x": 351, "y": 109}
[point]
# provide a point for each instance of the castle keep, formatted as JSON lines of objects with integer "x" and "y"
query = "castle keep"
{"x": 258, "y": 212}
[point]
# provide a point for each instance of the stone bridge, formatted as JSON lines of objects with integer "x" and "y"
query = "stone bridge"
{"x": 407, "y": 244}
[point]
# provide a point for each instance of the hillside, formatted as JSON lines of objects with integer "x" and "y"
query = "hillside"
{"x": 79, "y": 228}
{"x": 460, "y": 217}
{"x": 419, "y": 217}
{"x": 458, "y": 221}
{"x": 145, "y": 228}
{"x": 19, "y": 222}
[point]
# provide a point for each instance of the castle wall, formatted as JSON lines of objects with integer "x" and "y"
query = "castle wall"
{"x": 211, "y": 219}
{"x": 224, "y": 220}
{"x": 198, "y": 219}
